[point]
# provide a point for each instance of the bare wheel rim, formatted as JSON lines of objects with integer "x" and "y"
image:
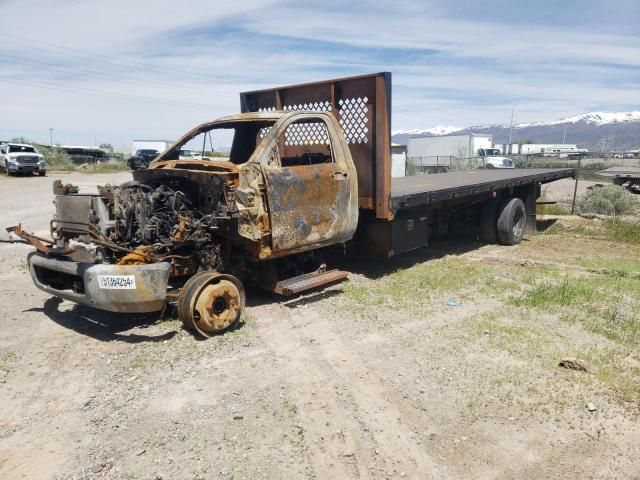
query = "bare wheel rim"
{"x": 217, "y": 306}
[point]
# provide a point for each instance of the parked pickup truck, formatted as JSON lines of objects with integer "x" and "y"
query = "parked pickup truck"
{"x": 309, "y": 172}
{"x": 21, "y": 158}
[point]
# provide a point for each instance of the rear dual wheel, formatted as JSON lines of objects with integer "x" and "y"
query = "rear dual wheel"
{"x": 210, "y": 303}
{"x": 511, "y": 222}
{"x": 503, "y": 222}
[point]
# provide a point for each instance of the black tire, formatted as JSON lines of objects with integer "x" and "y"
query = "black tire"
{"x": 488, "y": 222}
{"x": 42, "y": 174}
{"x": 489, "y": 166}
{"x": 512, "y": 221}
{"x": 6, "y": 169}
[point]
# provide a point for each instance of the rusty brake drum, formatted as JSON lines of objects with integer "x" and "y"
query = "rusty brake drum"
{"x": 210, "y": 303}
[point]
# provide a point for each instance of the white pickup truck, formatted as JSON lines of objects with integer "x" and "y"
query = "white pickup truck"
{"x": 21, "y": 158}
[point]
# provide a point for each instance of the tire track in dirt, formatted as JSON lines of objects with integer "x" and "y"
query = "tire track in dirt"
{"x": 333, "y": 388}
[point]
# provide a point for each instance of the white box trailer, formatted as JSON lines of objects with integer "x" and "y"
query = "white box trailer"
{"x": 159, "y": 145}
{"x": 398, "y": 160}
{"x": 538, "y": 148}
{"x": 438, "y": 151}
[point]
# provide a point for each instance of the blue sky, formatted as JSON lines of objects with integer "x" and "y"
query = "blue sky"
{"x": 118, "y": 70}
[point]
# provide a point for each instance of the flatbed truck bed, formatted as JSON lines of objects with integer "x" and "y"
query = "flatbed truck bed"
{"x": 626, "y": 177}
{"x": 418, "y": 190}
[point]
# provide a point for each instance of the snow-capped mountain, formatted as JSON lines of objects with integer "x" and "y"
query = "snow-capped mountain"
{"x": 597, "y": 131}
{"x": 437, "y": 130}
{"x": 596, "y": 118}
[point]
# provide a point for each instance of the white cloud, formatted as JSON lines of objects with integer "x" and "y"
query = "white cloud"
{"x": 183, "y": 53}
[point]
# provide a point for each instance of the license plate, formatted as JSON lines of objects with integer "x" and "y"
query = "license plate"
{"x": 117, "y": 282}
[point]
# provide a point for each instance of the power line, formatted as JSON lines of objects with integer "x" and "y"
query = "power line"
{"x": 119, "y": 63}
{"x": 57, "y": 67}
{"x": 99, "y": 93}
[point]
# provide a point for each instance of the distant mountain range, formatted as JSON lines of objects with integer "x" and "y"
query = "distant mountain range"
{"x": 597, "y": 131}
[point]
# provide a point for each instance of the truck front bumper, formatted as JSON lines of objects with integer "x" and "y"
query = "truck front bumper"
{"x": 115, "y": 288}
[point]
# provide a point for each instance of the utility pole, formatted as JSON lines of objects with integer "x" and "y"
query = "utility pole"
{"x": 575, "y": 187}
{"x": 51, "y": 137}
{"x": 510, "y": 130}
{"x": 564, "y": 134}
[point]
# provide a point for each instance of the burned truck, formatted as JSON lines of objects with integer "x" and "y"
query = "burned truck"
{"x": 308, "y": 171}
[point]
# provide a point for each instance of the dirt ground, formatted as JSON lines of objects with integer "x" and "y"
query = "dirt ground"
{"x": 375, "y": 378}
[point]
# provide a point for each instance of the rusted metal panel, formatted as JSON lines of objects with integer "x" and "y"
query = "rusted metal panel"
{"x": 295, "y": 208}
{"x": 363, "y": 107}
{"x": 307, "y": 204}
{"x": 34, "y": 240}
{"x": 383, "y": 144}
{"x": 308, "y": 281}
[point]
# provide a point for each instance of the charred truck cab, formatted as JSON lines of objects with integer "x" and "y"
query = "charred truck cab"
{"x": 195, "y": 230}
{"x": 309, "y": 168}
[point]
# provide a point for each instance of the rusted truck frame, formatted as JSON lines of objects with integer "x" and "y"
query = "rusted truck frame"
{"x": 309, "y": 171}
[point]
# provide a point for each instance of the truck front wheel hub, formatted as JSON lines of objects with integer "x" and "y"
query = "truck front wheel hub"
{"x": 210, "y": 303}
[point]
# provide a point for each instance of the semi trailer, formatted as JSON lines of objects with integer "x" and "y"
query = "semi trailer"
{"x": 308, "y": 176}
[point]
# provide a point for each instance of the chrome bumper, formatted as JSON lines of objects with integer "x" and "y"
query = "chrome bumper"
{"x": 115, "y": 288}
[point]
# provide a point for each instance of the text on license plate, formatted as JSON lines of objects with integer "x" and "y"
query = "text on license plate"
{"x": 116, "y": 282}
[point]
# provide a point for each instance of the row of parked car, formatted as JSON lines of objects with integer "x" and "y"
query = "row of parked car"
{"x": 26, "y": 159}
{"x": 21, "y": 158}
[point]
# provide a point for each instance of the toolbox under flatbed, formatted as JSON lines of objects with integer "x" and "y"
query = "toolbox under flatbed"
{"x": 438, "y": 187}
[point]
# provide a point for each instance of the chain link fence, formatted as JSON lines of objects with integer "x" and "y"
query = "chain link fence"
{"x": 588, "y": 164}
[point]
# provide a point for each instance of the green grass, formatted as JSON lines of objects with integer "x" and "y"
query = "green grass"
{"x": 602, "y": 304}
{"x": 612, "y": 229}
{"x": 440, "y": 280}
{"x": 514, "y": 337}
{"x": 118, "y": 166}
{"x": 552, "y": 209}
{"x": 623, "y": 231}
{"x": 107, "y": 167}
{"x": 615, "y": 365}
{"x": 620, "y": 267}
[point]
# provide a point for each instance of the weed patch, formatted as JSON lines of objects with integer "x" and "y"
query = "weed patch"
{"x": 612, "y": 229}
{"x": 602, "y": 304}
{"x": 608, "y": 200}
{"x": 552, "y": 209}
{"x": 436, "y": 279}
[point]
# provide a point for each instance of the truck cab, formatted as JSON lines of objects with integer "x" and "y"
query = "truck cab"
{"x": 290, "y": 173}
{"x": 492, "y": 158}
